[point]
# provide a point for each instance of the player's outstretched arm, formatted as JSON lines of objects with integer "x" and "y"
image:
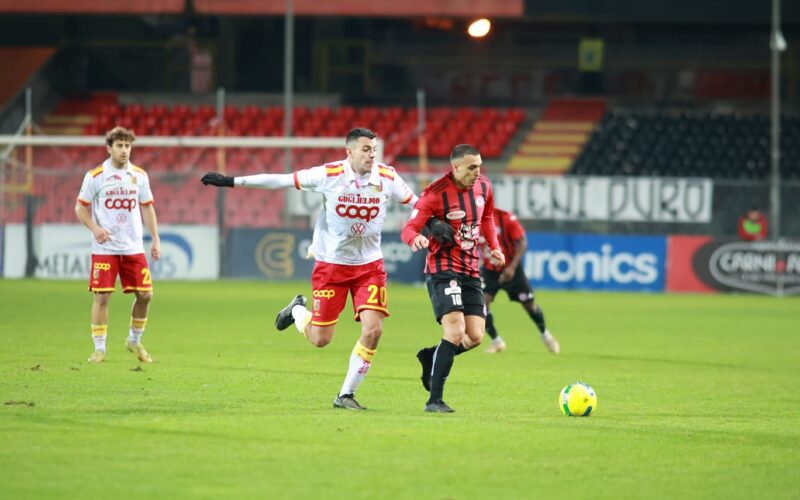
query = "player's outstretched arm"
{"x": 217, "y": 179}
{"x": 263, "y": 181}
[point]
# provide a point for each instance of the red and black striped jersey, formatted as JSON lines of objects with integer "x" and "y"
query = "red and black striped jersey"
{"x": 469, "y": 212}
{"x": 509, "y": 232}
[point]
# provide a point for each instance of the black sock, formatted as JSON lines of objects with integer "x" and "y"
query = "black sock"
{"x": 461, "y": 349}
{"x": 490, "y": 329}
{"x": 442, "y": 362}
{"x": 537, "y": 315}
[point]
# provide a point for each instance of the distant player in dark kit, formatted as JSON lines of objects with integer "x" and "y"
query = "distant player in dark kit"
{"x": 511, "y": 278}
{"x": 463, "y": 200}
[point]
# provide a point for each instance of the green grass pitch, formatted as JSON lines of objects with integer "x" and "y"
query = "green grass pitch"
{"x": 698, "y": 398}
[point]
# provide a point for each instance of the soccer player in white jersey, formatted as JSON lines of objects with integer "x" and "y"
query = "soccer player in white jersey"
{"x": 346, "y": 247}
{"x": 119, "y": 194}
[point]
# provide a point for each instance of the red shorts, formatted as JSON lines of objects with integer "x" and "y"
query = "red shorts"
{"x": 132, "y": 269}
{"x": 332, "y": 282}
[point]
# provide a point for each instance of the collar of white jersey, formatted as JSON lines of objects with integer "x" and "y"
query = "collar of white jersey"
{"x": 374, "y": 174}
{"x": 108, "y": 167}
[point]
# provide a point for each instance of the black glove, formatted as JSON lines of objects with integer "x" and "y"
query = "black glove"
{"x": 216, "y": 179}
{"x": 441, "y": 231}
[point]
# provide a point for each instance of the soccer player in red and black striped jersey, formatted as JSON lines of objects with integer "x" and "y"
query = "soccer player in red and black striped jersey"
{"x": 511, "y": 278}
{"x": 463, "y": 199}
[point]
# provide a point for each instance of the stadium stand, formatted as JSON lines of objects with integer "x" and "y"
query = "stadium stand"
{"x": 688, "y": 144}
{"x": 179, "y": 195}
{"x": 557, "y": 137}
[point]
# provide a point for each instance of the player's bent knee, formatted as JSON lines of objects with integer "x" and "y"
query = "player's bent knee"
{"x": 320, "y": 341}
{"x": 371, "y": 333}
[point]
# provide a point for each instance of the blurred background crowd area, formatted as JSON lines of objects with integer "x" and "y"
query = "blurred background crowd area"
{"x": 587, "y": 88}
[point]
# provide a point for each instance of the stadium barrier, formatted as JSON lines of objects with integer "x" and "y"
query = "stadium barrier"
{"x": 596, "y": 262}
{"x": 708, "y": 265}
{"x": 676, "y": 263}
{"x": 281, "y": 255}
{"x": 63, "y": 251}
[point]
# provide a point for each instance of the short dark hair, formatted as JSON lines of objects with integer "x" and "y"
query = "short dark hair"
{"x": 463, "y": 150}
{"x": 359, "y": 132}
{"x": 119, "y": 134}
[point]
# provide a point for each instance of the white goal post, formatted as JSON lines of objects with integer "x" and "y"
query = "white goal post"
{"x": 11, "y": 141}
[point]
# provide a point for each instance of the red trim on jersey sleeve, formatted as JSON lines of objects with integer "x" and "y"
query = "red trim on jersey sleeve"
{"x": 296, "y": 181}
{"x": 487, "y": 221}
{"x": 145, "y": 203}
{"x": 409, "y": 198}
{"x": 84, "y": 202}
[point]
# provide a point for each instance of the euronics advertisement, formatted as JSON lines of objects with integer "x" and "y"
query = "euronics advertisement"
{"x": 596, "y": 262}
{"x": 63, "y": 251}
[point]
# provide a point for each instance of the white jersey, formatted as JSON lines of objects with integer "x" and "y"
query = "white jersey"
{"x": 115, "y": 195}
{"x": 348, "y": 229}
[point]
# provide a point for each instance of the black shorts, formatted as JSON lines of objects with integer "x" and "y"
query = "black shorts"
{"x": 518, "y": 289}
{"x": 450, "y": 291}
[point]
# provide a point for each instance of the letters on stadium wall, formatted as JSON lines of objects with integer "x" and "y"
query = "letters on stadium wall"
{"x": 767, "y": 267}
{"x": 281, "y": 255}
{"x": 632, "y": 199}
{"x": 606, "y": 198}
{"x": 63, "y": 251}
{"x": 596, "y": 262}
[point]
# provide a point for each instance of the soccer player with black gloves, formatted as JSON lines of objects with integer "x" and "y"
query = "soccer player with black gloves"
{"x": 463, "y": 200}
{"x": 346, "y": 247}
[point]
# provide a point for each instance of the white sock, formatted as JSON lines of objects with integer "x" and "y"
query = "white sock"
{"x": 497, "y": 340}
{"x": 99, "y": 342}
{"x": 301, "y": 317}
{"x": 137, "y": 329}
{"x": 99, "y": 337}
{"x": 358, "y": 368}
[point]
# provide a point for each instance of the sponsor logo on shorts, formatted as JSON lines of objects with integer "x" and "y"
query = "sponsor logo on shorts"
{"x": 357, "y": 212}
{"x": 324, "y": 294}
{"x": 102, "y": 266}
{"x": 454, "y": 288}
{"x": 458, "y": 214}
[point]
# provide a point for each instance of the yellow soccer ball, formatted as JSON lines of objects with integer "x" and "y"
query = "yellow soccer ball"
{"x": 577, "y": 400}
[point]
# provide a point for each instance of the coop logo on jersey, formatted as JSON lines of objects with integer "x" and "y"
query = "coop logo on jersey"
{"x": 596, "y": 262}
{"x": 765, "y": 267}
{"x": 121, "y": 203}
{"x": 357, "y": 211}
